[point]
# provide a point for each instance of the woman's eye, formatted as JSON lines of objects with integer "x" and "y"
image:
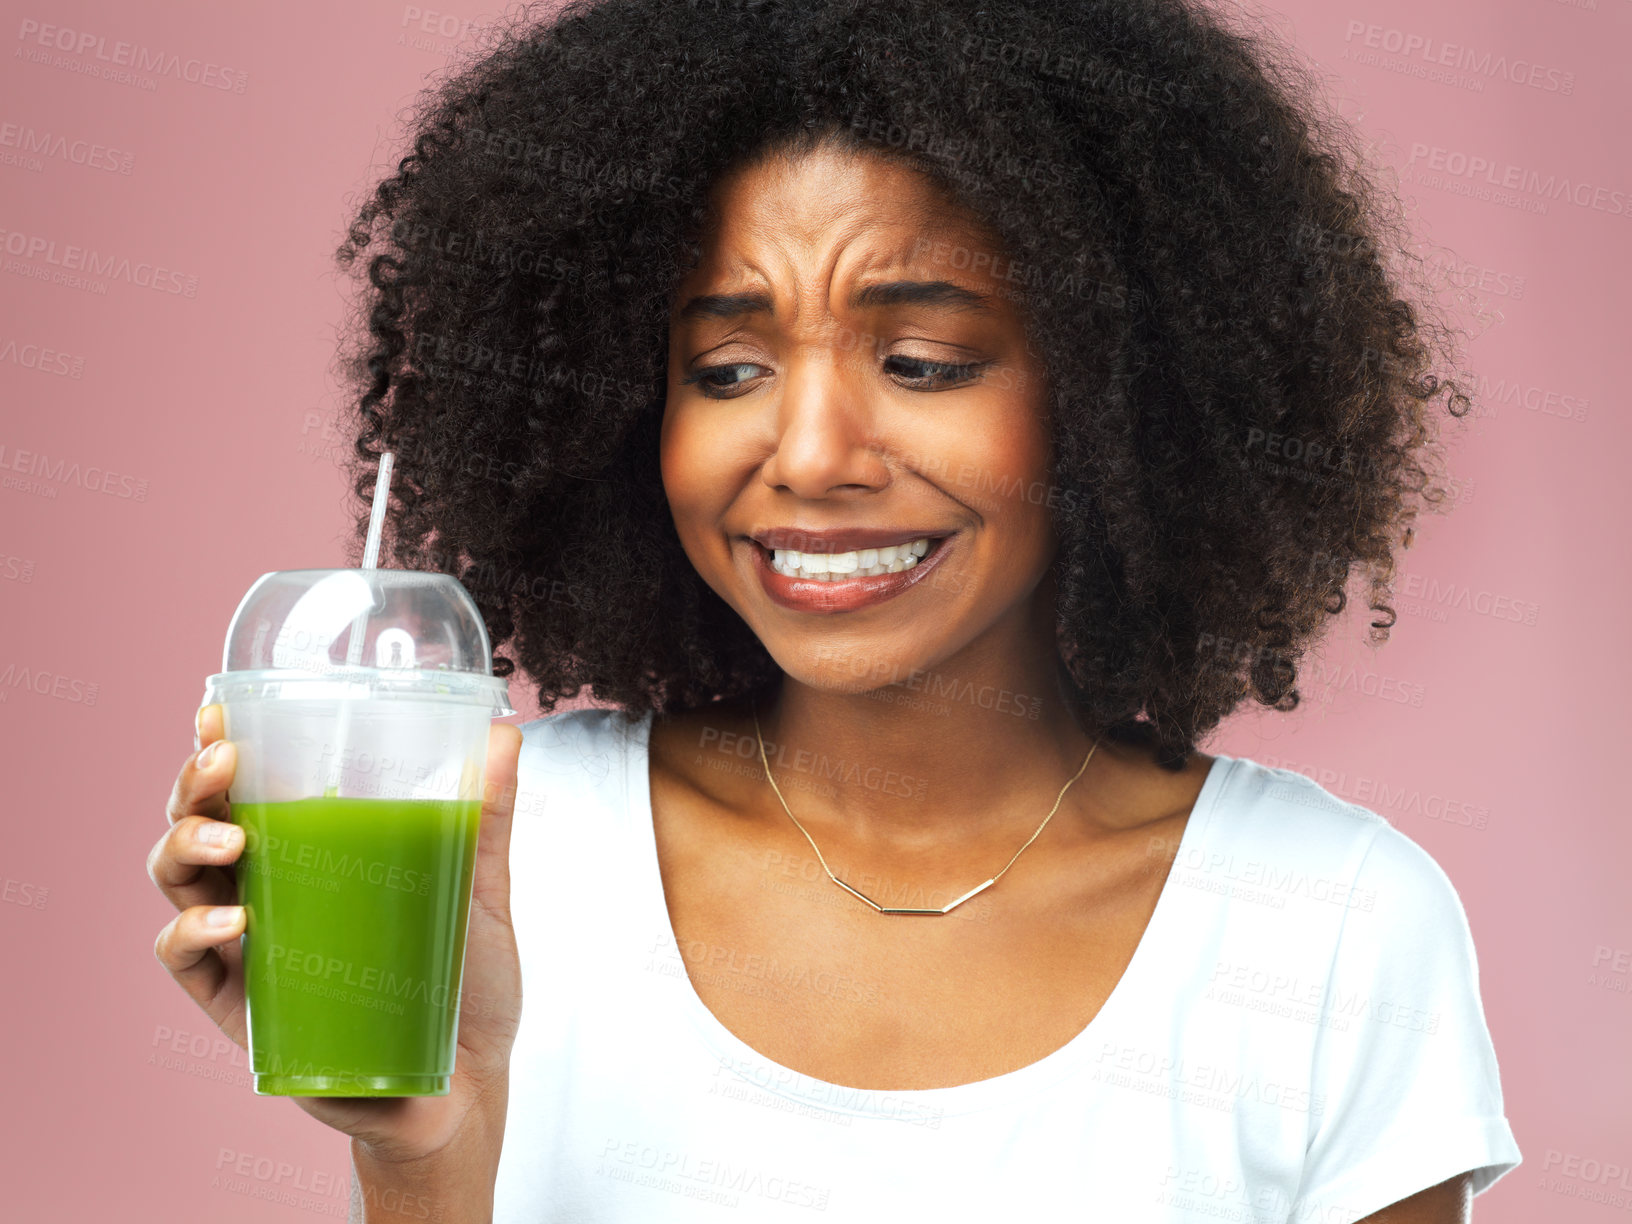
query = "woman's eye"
{"x": 706, "y": 378}
{"x": 932, "y": 375}
{"x": 717, "y": 382}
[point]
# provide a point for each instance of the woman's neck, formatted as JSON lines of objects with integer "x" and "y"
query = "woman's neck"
{"x": 965, "y": 754}
{"x": 931, "y": 748}
{"x": 967, "y": 757}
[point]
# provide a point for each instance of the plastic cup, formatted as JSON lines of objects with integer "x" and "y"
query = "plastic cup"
{"x": 359, "y": 790}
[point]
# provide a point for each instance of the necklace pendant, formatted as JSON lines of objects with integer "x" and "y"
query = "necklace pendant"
{"x": 891, "y": 909}
{"x": 887, "y": 909}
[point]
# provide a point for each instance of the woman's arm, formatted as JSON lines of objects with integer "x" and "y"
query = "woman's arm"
{"x": 453, "y": 1186}
{"x": 1447, "y": 1203}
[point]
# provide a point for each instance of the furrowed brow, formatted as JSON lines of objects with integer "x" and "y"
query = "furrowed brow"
{"x": 726, "y": 305}
{"x": 889, "y": 293}
{"x": 922, "y": 293}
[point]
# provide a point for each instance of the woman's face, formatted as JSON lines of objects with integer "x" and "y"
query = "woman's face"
{"x": 916, "y": 413}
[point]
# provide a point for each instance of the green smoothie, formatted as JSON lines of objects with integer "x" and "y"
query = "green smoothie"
{"x": 354, "y": 942}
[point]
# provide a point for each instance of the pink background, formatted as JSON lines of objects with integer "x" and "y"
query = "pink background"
{"x": 119, "y": 1095}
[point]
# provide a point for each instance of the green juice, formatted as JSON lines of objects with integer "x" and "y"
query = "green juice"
{"x": 354, "y": 942}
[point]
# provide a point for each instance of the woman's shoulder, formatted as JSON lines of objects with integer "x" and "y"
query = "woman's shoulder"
{"x": 575, "y": 757}
{"x": 1286, "y": 834}
{"x": 585, "y": 738}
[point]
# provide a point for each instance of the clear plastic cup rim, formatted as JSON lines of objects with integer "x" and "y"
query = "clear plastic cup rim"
{"x": 359, "y": 684}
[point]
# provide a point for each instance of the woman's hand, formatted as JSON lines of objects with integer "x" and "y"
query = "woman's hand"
{"x": 192, "y": 866}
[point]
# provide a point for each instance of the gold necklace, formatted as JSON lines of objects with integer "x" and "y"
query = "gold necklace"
{"x": 885, "y": 909}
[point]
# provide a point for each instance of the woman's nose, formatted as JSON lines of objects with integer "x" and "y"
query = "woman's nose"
{"x": 825, "y": 428}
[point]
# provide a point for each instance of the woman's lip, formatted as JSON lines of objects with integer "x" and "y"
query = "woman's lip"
{"x": 838, "y": 540}
{"x": 844, "y": 594}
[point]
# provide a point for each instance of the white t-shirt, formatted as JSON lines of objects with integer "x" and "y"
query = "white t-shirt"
{"x": 1298, "y": 1038}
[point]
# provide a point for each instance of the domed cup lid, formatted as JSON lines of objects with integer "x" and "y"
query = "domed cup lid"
{"x": 351, "y": 633}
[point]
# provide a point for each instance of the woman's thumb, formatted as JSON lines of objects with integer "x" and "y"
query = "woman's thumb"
{"x": 492, "y": 884}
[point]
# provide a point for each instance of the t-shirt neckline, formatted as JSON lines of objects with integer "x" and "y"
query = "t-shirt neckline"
{"x": 1134, "y": 990}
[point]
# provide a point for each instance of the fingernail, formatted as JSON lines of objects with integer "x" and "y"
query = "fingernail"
{"x": 207, "y": 757}
{"x": 219, "y": 833}
{"x": 198, "y": 727}
{"x": 222, "y": 915}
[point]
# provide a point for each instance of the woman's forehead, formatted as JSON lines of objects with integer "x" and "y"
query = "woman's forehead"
{"x": 815, "y": 243}
{"x": 830, "y": 197}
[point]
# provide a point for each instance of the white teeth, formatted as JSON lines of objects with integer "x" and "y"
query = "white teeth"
{"x": 834, "y": 567}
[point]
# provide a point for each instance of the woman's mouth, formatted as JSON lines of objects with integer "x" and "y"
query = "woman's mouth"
{"x": 858, "y": 563}
{"x": 843, "y": 582}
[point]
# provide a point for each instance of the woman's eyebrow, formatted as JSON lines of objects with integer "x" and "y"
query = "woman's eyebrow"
{"x": 888, "y": 293}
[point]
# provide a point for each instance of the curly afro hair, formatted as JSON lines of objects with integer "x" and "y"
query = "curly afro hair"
{"x": 1239, "y": 376}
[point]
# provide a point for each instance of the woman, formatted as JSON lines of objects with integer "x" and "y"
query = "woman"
{"x": 922, "y": 423}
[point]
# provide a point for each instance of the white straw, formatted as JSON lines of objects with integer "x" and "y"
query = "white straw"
{"x": 359, "y": 627}
{"x": 376, "y": 518}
